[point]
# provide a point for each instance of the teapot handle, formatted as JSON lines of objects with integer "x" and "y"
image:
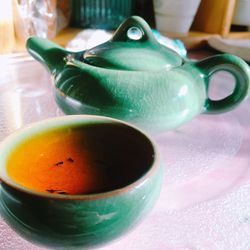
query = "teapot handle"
{"x": 240, "y": 71}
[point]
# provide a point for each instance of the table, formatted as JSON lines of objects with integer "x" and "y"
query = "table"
{"x": 204, "y": 202}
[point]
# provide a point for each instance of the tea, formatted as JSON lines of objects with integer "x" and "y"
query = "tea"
{"x": 80, "y": 160}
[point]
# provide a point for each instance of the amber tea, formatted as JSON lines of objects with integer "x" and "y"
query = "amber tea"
{"x": 81, "y": 159}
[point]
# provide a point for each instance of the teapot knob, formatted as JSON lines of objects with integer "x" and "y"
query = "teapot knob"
{"x": 134, "y": 29}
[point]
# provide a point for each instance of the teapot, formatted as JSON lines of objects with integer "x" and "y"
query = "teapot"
{"x": 133, "y": 77}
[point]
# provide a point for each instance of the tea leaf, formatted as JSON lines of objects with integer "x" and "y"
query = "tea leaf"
{"x": 70, "y": 159}
{"x": 58, "y": 163}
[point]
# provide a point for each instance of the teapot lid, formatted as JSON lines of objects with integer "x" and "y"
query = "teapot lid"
{"x": 133, "y": 47}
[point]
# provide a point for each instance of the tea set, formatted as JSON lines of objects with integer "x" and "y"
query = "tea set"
{"x": 132, "y": 82}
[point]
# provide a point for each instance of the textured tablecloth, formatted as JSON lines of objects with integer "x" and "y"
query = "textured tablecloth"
{"x": 205, "y": 198}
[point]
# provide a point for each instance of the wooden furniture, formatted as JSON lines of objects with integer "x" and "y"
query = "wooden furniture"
{"x": 213, "y": 18}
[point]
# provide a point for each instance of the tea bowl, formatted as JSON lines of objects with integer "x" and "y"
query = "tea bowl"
{"x": 126, "y": 157}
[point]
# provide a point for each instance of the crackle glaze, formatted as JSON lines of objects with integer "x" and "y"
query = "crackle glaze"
{"x": 76, "y": 220}
{"x": 134, "y": 78}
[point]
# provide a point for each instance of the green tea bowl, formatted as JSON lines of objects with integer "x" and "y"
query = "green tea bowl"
{"x": 129, "y": 160}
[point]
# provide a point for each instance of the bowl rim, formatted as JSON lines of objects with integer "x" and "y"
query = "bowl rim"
{"x": 56, "y": 122}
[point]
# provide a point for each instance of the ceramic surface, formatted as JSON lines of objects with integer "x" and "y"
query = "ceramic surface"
{"x": 75, "y": 220}
{"x": 134, "y": 78}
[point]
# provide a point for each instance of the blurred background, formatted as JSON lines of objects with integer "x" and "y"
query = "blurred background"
{"x": 194, "y": 22}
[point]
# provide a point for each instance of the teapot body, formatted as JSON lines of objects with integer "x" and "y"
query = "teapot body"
{"x": 159, "y": 100}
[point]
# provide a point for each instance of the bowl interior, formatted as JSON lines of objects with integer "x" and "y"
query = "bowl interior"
{"x": 76, "y": 156}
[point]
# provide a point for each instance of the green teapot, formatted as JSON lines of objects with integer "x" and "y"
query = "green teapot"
{"x": 134, "y": 78}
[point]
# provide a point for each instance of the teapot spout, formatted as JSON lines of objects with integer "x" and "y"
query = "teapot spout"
{"x": 46, "y": 52}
